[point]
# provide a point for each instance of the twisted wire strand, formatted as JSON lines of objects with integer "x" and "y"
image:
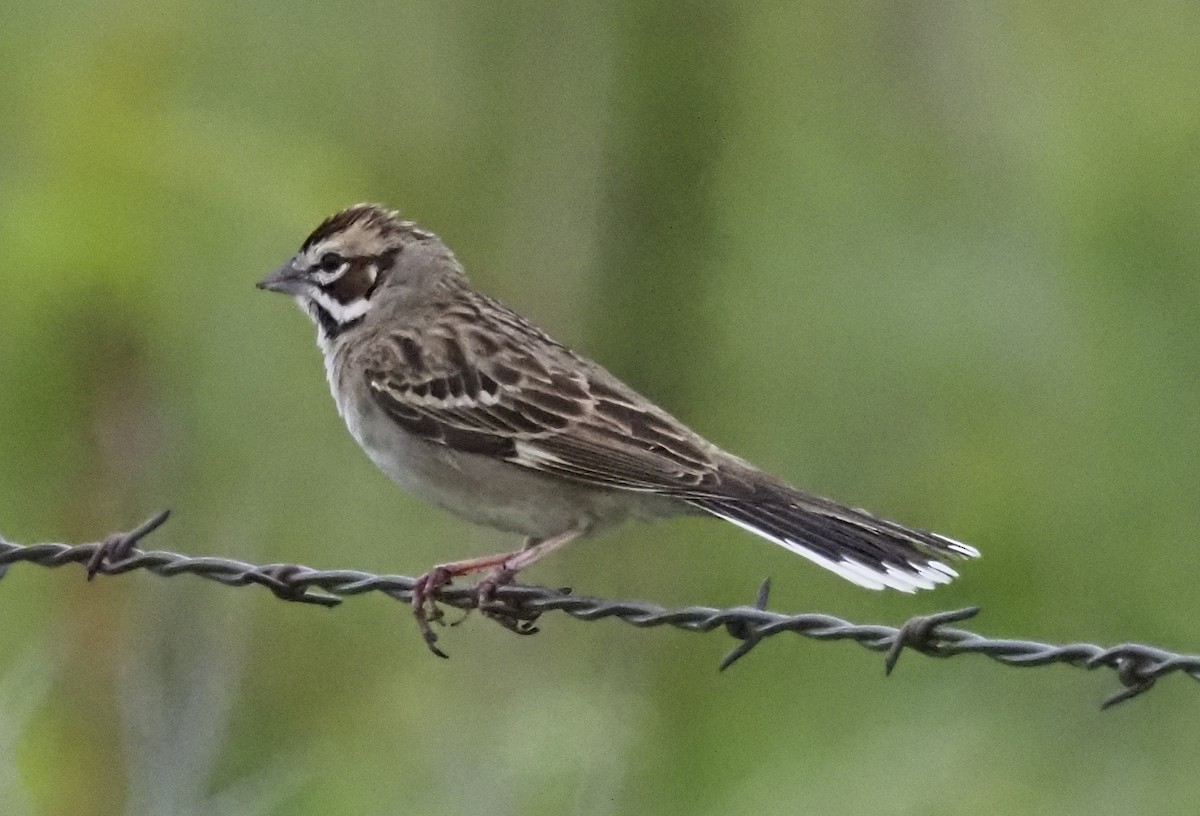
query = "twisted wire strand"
{"x": 1137, "y": 666}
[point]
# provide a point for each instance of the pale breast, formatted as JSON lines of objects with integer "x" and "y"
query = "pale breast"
{"x": 476, "y": 487}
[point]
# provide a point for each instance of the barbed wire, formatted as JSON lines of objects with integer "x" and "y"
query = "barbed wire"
{"x": 1137, "y": 666}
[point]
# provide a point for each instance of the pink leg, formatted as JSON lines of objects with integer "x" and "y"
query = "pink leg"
{"x": 503, "y": 566}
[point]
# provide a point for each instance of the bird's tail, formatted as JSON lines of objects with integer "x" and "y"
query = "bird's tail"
{"x": 869, "y": 551}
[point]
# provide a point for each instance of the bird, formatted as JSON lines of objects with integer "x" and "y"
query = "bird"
{"x": 466, "y": 404}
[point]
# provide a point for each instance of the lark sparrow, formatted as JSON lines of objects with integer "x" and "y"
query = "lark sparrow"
{"x": 467, "y": 405}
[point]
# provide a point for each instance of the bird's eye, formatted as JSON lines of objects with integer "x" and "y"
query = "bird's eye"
{"x": 331, "y": 262}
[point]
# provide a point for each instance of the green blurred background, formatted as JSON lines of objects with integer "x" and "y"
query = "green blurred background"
{"x": 939, "y": 260}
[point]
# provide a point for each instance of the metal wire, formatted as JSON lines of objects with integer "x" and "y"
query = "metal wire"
{"x": 1137, "y": 666}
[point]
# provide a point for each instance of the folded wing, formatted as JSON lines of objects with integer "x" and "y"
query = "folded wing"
{"x": 469, "y": 382}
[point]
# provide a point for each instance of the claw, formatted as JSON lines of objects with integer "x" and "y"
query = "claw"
{"x": 503, "y": 614}
{"x": 425, "y": 608}
{"x": 504, "y": 567}
{"x": 485, "y": 590}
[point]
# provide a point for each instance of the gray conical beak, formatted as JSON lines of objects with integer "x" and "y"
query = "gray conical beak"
{"x": 287, "y": 279}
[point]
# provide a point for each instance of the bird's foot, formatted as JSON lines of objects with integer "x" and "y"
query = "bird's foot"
{"x": 506, "y": 614}
{"x": 493, "y": 608}
{"x": 425, "y": 608}
{"x": 502, "y": 568}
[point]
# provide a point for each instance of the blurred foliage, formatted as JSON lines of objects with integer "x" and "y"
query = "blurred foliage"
{"x": 936, "y": 259}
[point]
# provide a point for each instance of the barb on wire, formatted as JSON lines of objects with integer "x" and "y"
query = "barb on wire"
{"x": 1137, "y": 666}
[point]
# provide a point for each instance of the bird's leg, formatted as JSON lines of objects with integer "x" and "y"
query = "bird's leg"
{"x": 503, "y": 566}
{"x": 425, "y": 609}
{"x": 534, "y": 549}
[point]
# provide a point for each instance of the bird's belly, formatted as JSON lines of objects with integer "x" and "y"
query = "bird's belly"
{"x": 485, "y": 490}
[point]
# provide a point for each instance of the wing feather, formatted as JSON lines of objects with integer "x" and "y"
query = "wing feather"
{"x": 553, "y": 412}
{"x": 468, "y": 381}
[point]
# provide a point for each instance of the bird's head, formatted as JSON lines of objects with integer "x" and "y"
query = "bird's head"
{"x": 357, "y": 259}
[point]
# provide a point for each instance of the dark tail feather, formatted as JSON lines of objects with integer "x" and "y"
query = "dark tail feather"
{"x": 869, "y": 551}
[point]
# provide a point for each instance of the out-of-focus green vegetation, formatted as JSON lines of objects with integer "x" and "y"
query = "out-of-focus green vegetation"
{"x": 940, "y": 260}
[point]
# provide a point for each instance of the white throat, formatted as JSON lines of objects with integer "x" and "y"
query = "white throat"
{"x": 339, "y": 313}
{"x": 342, "y": 313}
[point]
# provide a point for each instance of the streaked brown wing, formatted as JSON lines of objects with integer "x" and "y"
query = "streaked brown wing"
{"x": 475, "y": 385}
